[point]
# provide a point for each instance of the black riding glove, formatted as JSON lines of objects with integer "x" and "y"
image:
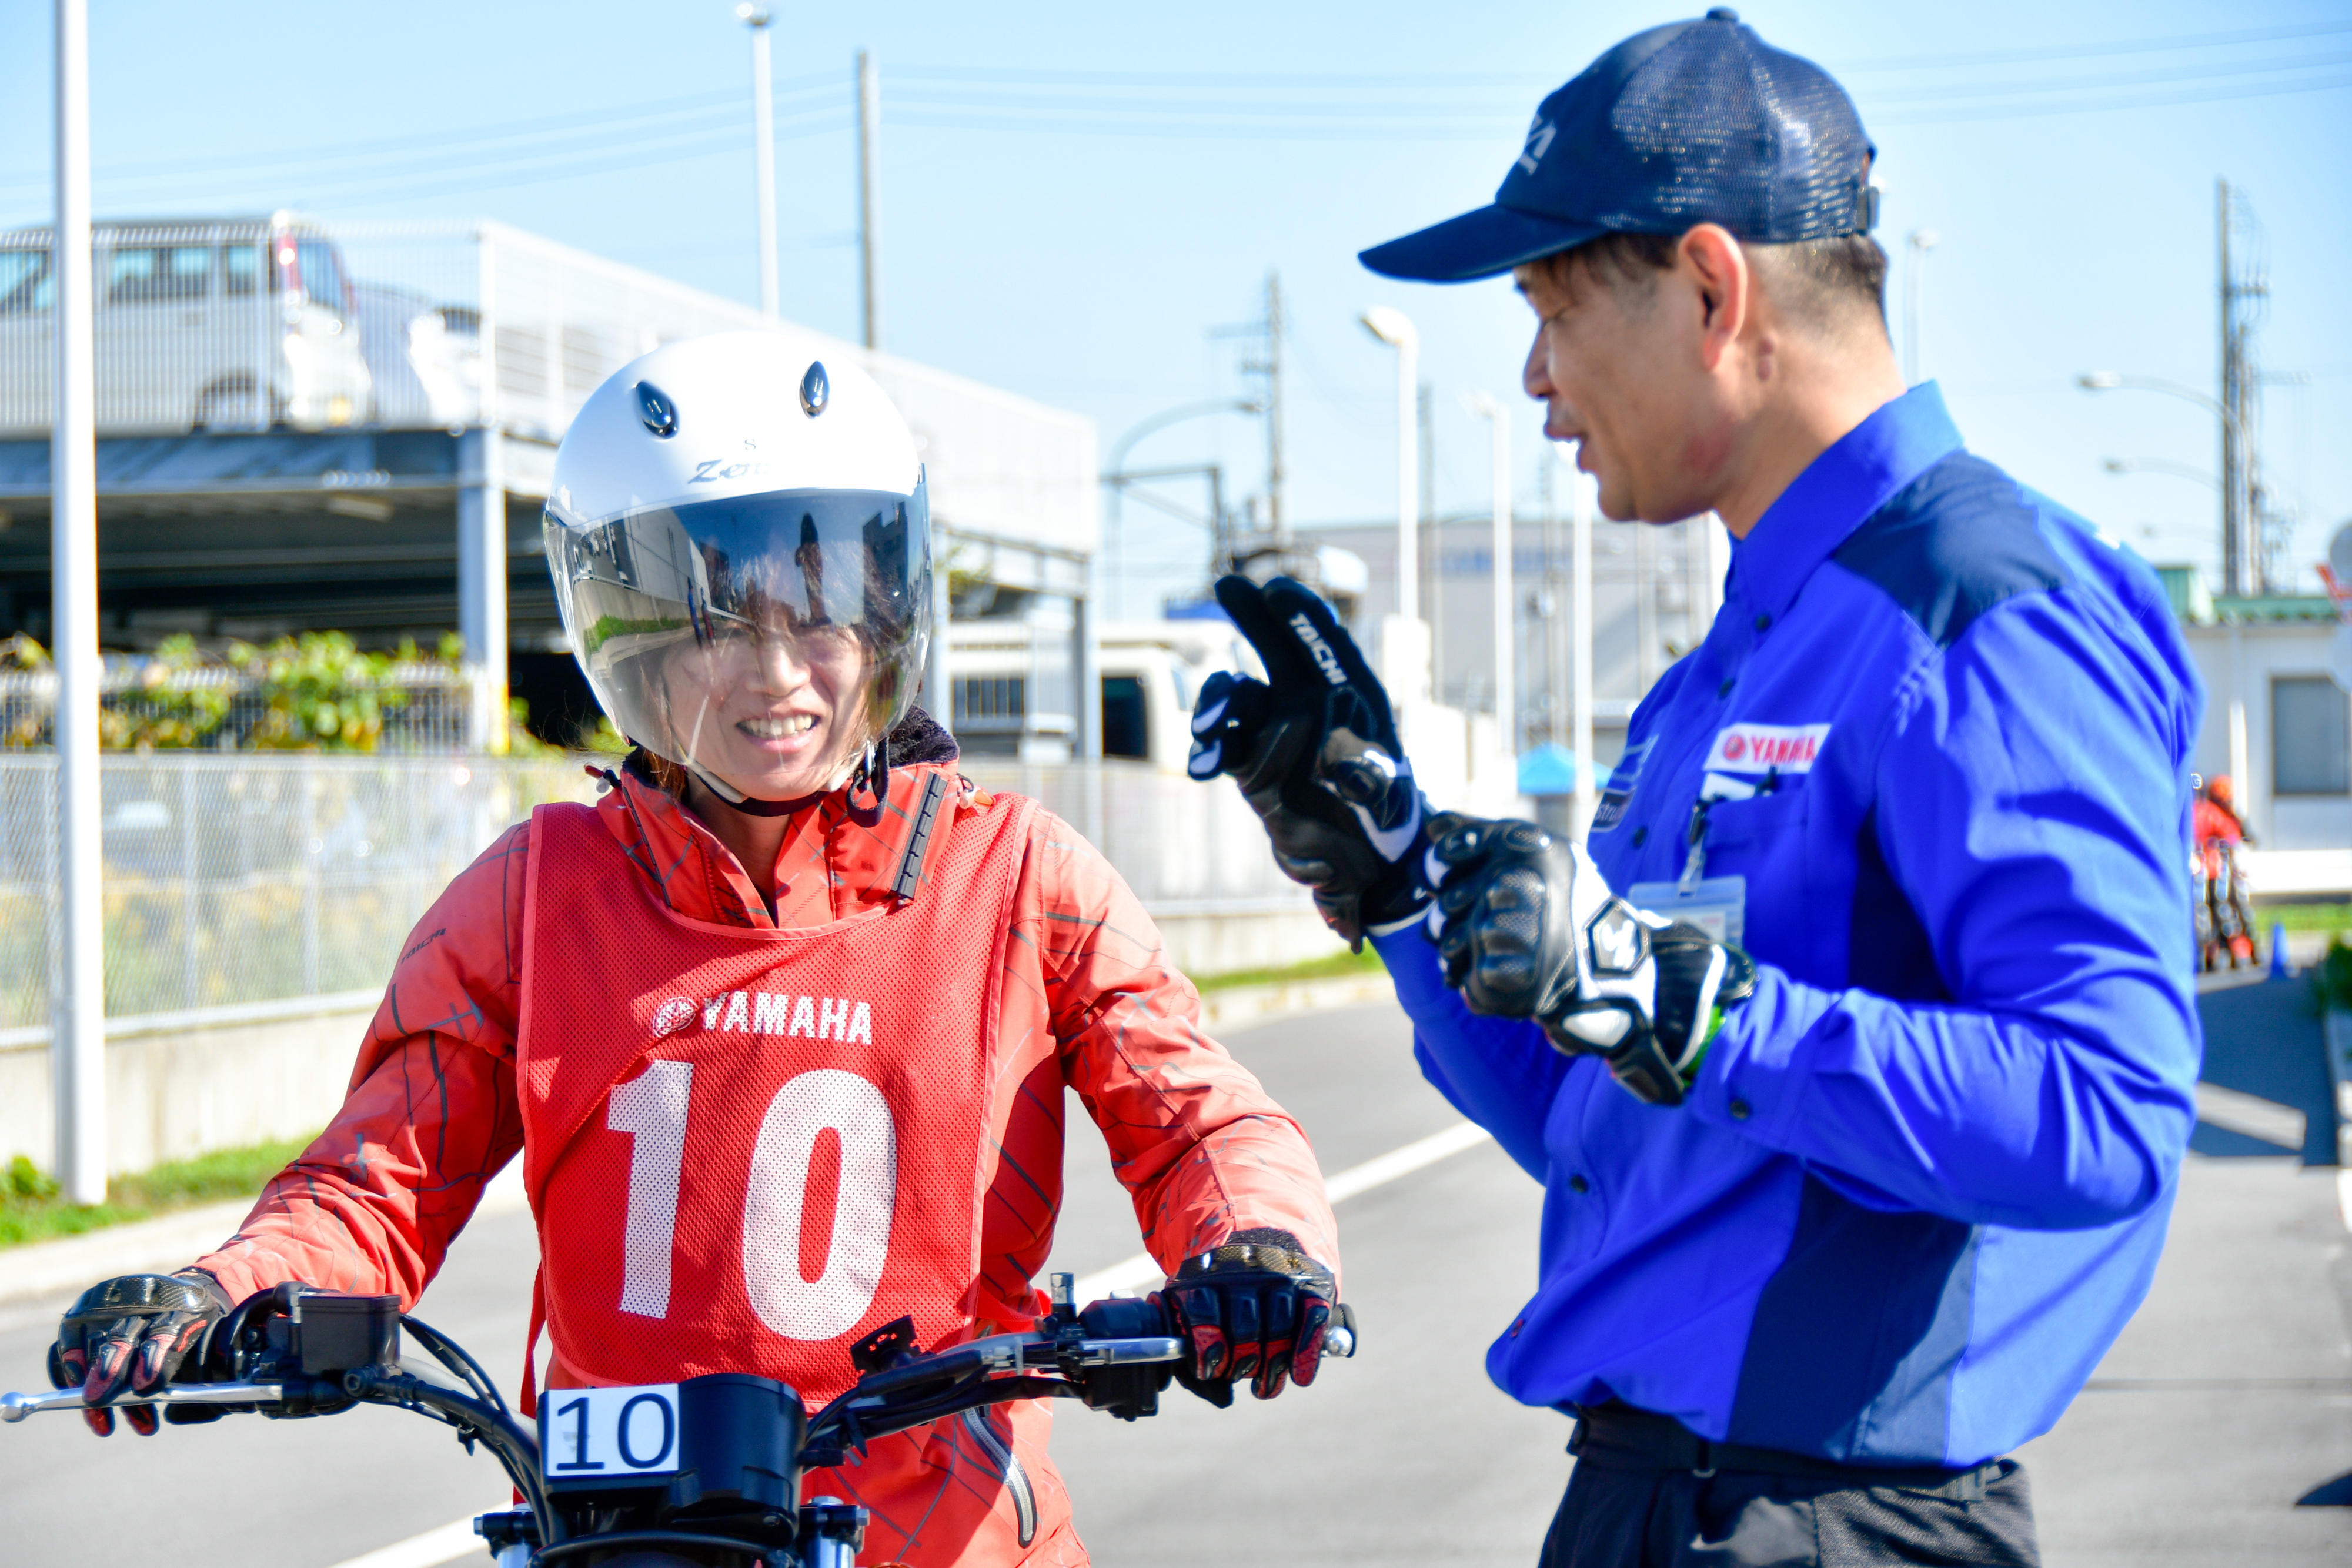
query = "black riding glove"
{"x": 1313, "y": 748}
{"x": 1528, "y": 929}
{"x": 135, "y": 1328}
{"x": 1255, "y": 1307}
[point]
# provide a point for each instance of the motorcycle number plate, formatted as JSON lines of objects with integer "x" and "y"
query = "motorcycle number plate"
{"x": 608, "y": 1433}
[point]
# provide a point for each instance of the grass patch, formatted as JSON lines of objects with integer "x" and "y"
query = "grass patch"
{"x": 32, "y": 1209}
{"x": 2304, "y": 916}
{"x": 1342, "y": 963}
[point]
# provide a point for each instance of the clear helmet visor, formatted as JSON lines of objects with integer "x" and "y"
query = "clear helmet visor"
{"x": 763, "y": 641}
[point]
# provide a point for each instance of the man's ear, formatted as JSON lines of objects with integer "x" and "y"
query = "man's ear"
{"x": 1718, "y": 268}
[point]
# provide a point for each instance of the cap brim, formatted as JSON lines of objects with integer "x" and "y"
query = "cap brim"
{"x": 1483, "y": 244}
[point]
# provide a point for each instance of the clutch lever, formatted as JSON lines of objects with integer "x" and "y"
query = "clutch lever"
{"x": 15, "y": 1407}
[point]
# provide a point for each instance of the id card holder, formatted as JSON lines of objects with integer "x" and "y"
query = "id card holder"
{"x": 1716, "y": 904}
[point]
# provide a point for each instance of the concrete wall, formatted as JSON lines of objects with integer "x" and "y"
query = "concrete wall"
{"x": 2239, "y": 662}
{"x": 170, "y": 1096}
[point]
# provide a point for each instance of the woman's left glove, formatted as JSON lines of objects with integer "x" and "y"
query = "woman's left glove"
{"x": 1256, "y": 1307}
{"x": 1313, "y": 748}
{"x": 1527, "y": 928}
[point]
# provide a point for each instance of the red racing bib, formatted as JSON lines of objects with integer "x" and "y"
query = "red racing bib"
{"x": 746, "y": 1149}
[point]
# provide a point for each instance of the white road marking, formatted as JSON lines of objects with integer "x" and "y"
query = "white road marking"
{"x": 2250, "y": 1116}
{"x": 1130, "y": 1273}
{"x": 447, "y": 1544}
{"x": 458, "y": 1539}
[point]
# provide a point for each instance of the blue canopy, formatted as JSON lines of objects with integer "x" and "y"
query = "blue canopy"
{"x": 1551, "y": 770}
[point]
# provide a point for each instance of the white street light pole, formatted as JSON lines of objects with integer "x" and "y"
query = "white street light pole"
{"x": 2114, "y": 381}
{"x": 1507, "y": 726}
{"x": 1394, "y": 329}
{"x": 1914, "y": 281}
{"x": 763, "y": 150}
{"x": 1584, "y": 490}
{"x": 78, "y": 1013}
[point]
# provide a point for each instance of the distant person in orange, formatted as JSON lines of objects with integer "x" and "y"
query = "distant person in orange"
{"x": 2219, "y": 832}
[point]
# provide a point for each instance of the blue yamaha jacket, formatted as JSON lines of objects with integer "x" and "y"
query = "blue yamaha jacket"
{"x": 1924, "y": 1176}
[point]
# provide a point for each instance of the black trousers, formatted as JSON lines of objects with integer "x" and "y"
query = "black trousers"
{"x": 1622, "y": 1512}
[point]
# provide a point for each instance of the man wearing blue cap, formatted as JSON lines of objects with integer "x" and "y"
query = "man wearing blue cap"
{"x": 1856, "y": 1060}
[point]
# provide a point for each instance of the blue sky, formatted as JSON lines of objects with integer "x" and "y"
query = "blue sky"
{"x": 1074, "y": 196}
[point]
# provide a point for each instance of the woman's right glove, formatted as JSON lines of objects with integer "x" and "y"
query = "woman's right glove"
{"x": 134, "y": 1329}
{"x": 1314, "y": 748}
{"x": 1527, "y": 928}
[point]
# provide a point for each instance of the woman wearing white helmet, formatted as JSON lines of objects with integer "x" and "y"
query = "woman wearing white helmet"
{"x": 791, "y": 963}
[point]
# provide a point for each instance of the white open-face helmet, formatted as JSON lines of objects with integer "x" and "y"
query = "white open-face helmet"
{"x": 724, "y": 498}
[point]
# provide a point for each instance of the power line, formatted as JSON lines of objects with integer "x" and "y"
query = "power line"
{"x": 604, "y": 126}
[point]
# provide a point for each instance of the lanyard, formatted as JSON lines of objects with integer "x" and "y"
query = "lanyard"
{"x": 1695, "y": 864}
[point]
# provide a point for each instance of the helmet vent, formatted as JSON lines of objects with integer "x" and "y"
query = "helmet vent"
{"x": 815, "y": 388}
{"x": 655, "y": 408}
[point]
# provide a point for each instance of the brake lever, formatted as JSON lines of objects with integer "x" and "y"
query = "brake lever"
{"x": 15, "y": 1407}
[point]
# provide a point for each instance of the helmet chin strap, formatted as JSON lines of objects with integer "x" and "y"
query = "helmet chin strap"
{"x": 873, "y": 770}
{"x": 736, "y": 800}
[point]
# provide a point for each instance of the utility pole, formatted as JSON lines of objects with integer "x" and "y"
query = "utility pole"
{"x": 763, "y": 149}
{"x": 2242, "y": 285}
{"x": 1268, "y": 366}
{"x": 78, "y": 1011}
{"x": 1273, "y": 476}
{"x": 869, "y": 191}
{"x": 1915, "y": 280}
{"x": 1432, "y": 533}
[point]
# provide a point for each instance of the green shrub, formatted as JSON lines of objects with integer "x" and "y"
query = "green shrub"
{"x": 33, "y": 1209}
{"x": 2332, "y": 977}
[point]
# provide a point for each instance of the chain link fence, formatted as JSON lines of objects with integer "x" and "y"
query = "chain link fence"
{"x": 421, "y": 707}
{"x": 232, "y": 882}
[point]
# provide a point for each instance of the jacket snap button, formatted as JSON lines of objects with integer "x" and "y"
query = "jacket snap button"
{"x": 1740, "y": 1111}
{"x": 1763, "y": 623}
{"x": 1641, "y": 836}
{"x": 1578, "y": 1183}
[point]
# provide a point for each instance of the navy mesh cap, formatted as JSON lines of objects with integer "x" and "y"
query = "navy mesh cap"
{"x": 1693, "y": 123}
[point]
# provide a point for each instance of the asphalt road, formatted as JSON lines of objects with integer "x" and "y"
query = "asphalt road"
{"x": 2229, "y": 1397}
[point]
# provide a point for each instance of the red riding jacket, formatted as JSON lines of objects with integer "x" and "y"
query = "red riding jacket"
{"x": 1090, "y": 1003}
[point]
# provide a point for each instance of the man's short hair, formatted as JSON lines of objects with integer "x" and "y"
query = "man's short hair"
{"x": 1819, "y": 283}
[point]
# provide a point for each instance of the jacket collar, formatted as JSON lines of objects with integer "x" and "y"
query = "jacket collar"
{"x": 833, "y": 862}
{"x": 1820, "y": 510}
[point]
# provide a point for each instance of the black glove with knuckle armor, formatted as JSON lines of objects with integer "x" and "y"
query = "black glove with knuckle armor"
{"x": 1314, "y": 748}
{"x": 1527, "y": 928}
{"x": 136, "y": 1331}
{"x": 1256, "y": 1306}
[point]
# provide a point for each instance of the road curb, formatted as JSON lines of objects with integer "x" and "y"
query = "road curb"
{"x": 1242, "y": 1006}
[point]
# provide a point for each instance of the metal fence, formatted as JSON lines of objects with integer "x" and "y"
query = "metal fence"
{"x": 246, "y": 323}
{"x": 421, "y": 708}
{"x": 232, "y": 881}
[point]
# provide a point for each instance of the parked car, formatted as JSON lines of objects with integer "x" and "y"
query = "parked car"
{"x": 201, "y": 324}
{"x": 426, "y": 359}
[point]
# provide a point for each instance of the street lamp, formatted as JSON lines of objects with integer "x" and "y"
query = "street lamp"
{"x": 1506, "y": 727}
{"x": 1117, "y": 476}
{"x": 1394, "y": 329}
{"x": 1922, "y": 240}
{"x": 2237, "y": 560}
{"x": 763, "y": 149}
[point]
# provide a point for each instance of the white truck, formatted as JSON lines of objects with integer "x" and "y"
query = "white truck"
{"x": 200, "y": 324}
{"x": 1012, "y": 685}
